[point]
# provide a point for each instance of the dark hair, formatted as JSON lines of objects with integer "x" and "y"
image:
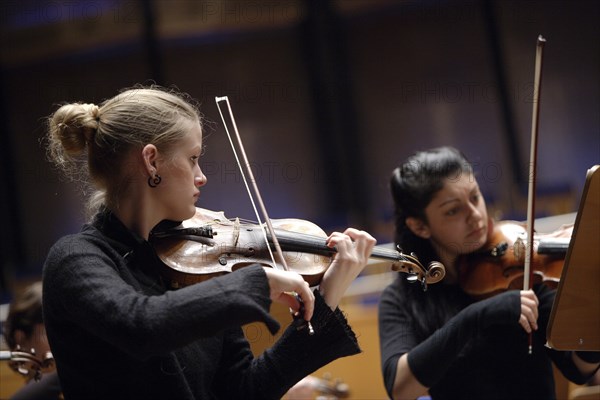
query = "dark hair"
{"x": 25, "y": 312}
{"x": 413, "y": 186}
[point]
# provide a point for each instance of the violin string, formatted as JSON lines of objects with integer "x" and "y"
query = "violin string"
{"x": 314, "y": 244}
{"x": 309, "y": 240}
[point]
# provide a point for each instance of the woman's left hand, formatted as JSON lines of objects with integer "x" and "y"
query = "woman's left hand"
{"x": 354, "y": 248}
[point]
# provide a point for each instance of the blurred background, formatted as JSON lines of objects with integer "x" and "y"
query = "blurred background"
{"x": 329, "y": 97}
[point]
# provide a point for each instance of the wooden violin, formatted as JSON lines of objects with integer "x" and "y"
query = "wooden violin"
{"x": 500, "y": 265}
{"x": 28, "y": 364}
{"x": 209, "y": 244}
{"x": 331, "y": 390}
{"x": 312, "y": 387}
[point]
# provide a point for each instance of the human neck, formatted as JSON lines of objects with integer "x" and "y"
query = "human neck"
{"x": 137, "y": 214}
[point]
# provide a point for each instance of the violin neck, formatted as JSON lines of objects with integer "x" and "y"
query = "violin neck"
{"x": 304, "y": 243}
{"x": 557, "y": 246}
{"x": 385, "y": 253}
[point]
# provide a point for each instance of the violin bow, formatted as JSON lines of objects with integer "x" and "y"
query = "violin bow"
{"x": 261, "y": 204}
{"x": 528, "y": 271}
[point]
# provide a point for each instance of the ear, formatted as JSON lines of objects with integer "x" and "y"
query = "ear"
{"x": 418, "y": 227}
{"x": 150, "y": 155}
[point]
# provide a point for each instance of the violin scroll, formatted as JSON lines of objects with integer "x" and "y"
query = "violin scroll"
{"x": 435, "y": 272}
{"x": 416, "y": 272}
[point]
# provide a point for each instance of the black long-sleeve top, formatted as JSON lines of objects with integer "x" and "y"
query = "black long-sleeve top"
{"x": 116, "y": 331}
{"x": 495, "y": 364}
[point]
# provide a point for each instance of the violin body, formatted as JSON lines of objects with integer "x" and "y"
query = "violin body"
{"x": 234, "y": 245}
{"x": 499, "y": 265}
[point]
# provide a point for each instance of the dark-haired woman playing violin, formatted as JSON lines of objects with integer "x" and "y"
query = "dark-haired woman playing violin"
{"x": 442, "y": 342}
{"x": 115, "y": 328}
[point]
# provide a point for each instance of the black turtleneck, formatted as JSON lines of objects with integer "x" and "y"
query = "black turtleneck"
{"x": 116, "y": 331}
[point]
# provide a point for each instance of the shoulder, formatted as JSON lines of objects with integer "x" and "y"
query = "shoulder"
{"x": 64, "y": 247}
{"x": 73, "y": 250}
{"x": 89, "y": 238}
{"x": 401, "y": 289}
{"x": 393, "y": 295}
{"x": 393, "y": 288}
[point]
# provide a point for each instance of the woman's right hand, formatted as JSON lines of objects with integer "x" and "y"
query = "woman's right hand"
{"x": 529, "y": 311}
{"x": 283, "y": 284}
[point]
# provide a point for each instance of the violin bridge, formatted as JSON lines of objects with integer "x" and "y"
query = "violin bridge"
{"x": 236, "y": 231}
{"x": 519, "y": 249}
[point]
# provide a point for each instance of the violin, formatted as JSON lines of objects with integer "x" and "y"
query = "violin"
{"x": 499, "y": 265}
{"x": 324, "y": 388}
{"x": 28, "y": 364}
{"x": 329, "y": 390}
{"x": 209, "y": 245}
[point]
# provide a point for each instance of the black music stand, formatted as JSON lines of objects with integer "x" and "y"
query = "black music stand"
{"x": 575, "y": 318}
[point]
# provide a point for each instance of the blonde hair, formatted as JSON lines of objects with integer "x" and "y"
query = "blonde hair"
{"x": 89, "y": 143}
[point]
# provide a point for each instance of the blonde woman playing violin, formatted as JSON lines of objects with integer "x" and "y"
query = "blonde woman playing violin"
{"x": 115, "y": 329}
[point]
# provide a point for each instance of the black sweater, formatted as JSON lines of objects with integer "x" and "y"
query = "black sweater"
{"x": 494, "y": 364}
{"x": 116, "y": 331}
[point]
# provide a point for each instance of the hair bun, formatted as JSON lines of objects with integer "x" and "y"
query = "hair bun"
{"x": 93, "y": 110}
{"x": 74, "y": 126}
{"x": 90, "y": 128}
